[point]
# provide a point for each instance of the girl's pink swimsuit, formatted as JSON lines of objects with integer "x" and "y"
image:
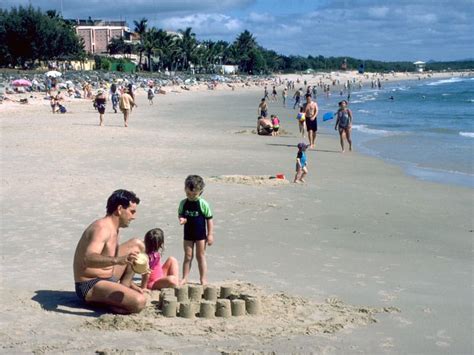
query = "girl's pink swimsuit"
{"x": 156, "y": 269}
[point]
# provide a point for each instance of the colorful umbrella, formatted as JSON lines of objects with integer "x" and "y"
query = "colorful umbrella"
{"x": 53, "y": 74}
{"x": 21, "y": 82}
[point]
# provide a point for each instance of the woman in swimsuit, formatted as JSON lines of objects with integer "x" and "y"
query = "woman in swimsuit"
{"x": 344, "y": 123}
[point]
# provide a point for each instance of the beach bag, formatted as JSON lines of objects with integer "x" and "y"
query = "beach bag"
{"x": 62, "y": 109}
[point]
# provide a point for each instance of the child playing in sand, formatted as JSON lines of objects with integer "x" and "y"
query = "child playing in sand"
{"x": 301, "y": 163}
{"x": 276, "y": 125}
{"x": 196, "y": 216}
{"x": 160, "y": 276}
{"x": 301, "y": 117}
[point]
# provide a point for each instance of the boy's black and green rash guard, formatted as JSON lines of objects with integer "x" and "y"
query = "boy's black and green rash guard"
{"x": 196, "y": 213}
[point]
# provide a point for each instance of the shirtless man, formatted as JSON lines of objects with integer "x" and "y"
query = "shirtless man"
{"x": 264, "y": 126}
{"x": 102, "y": 268}
{"x": 311, "y": 113}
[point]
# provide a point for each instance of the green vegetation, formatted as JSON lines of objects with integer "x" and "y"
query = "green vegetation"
{"x": 28, "y": 35}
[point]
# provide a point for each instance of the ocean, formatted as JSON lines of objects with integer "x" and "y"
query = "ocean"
{"x": 427, "y": 128}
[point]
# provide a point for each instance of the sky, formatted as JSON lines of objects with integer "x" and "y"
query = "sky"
{"x": 396, "y": 30}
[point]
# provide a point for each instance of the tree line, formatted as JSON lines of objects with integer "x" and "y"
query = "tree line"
{"x": 28, "y": 35}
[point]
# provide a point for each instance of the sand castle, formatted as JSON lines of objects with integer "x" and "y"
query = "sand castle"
{"x": 189, "y": 301}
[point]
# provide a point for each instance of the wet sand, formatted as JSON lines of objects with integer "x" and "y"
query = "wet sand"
{"x": 360, "y": 237}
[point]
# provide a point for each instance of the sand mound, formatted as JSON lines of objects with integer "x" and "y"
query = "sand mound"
{"x": 249, "y": 179}
{"x": 282, "y": 315}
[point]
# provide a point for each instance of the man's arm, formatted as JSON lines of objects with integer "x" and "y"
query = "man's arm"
{"x": 93, "y": 257}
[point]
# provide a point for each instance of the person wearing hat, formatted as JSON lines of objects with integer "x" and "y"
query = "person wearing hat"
{"x": 99, "y": 103}
{"x": 103, "y": 272}
{"x": 126, "y": 103}
{"x": 301, "y": 163}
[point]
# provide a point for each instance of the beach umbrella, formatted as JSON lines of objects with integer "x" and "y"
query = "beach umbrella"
{"x": 53, "y": 74}
{"x": 21, "y": 82}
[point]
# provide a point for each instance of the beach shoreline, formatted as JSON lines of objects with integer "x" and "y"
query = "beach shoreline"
{"x": 359, "y": 230}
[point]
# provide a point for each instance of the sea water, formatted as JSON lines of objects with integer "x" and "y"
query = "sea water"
{"x": 425, "y": 126}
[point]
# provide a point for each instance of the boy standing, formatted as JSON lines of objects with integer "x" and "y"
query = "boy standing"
{"x": 196, "y": 216}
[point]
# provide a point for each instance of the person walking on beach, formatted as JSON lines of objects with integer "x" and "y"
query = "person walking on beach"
{"x": 102, "y": 266}
{"x": 301, "y": 117}
{"x": 150, "y": 95}
{"x": 297, "y": 97}
{"x": 99, "y": 103}
{"x": 196, "y": 216}
{"x": 265, "y": 93}
{"x": 274, "y": 94}
{"x": 114, "y": 96}
{"x": 284, "y": 95}
{"x": 311, "y": 114}
{"x": 160, "y": 276}
{"x": 301, "y": 163}
{"x": 344, "y": 124}
{"x": 126, "y": 104}
{"x": 262, "y": 108}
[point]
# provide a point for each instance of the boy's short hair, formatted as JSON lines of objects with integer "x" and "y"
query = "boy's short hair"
{"x": 194, "y": 182}
{"x": 120, "y": 198}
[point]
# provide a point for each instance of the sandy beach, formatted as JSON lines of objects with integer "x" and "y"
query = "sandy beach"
{"x": 360, "y": 259}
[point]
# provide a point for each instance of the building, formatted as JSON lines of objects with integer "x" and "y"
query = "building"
{"x": 97, "y": 34}
{"x": 420, "y": 66}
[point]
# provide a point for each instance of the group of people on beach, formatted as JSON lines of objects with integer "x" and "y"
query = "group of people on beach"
{"x": 124, "y": 98}
{"x": 104, "y": 268}
{"x": 307, "y": 118}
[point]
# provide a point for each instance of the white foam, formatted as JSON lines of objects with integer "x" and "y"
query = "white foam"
{"x": 363, "y": 111}
{"x": 467, "y": 134}
{"x": 446, "y": 81}
{"x": 379, "y": 132}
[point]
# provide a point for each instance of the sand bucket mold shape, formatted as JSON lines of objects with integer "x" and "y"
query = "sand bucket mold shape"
{"x": 140, "y": 266}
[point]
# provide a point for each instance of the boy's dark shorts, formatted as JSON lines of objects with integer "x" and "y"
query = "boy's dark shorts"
{"x": 312, "y": 125}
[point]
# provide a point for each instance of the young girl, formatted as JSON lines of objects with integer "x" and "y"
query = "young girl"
{"x": 161, "y": 276}
{"x": 344, "y": 123}
{"x": 301, "y": 118}
{"x": 276, "y": 125}
{"x": 301, "y": 163}
{"x": 151, "y": 95}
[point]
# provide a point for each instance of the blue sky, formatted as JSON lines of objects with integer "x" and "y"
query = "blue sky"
{"x": 365, "y": 29}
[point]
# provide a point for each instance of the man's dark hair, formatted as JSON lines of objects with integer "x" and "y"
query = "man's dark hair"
{"x": 194, "y": 182}
{"x": 121, "y": 198}
{"x": 307, "y": 95}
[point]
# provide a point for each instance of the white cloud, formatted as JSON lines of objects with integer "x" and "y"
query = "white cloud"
{"x": 261, "y": 17}
{"x": 205, "y": 24}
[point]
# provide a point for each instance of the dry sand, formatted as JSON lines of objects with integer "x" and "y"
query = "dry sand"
{"x": 359, "y": 242}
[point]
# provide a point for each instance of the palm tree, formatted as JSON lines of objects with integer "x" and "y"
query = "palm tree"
{"x": 246, "y": 46}
{"x": 188, "y": 45}
{"x": 140, "y": 28}
{"x": 150, "y": 43}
